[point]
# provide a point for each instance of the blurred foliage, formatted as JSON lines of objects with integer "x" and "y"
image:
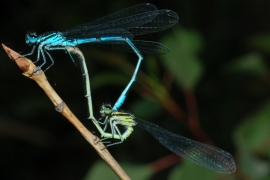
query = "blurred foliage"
{"x": 134, "y": 171}
{"x": 183, "y": 59}
{"x": 188, "y": 171}
{"x": 252, "y": 139}
{"x": 261, "y": 42}
{"x": 252, "y": 64}
{"x": 219, "y": 51}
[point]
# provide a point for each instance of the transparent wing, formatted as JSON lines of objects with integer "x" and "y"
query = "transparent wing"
{"x": 164, "y": 19}
{"x": 145, "y": 47}
{"x": 137, "y": 9}
{"x": 142, "y": 23}
{"x": 139, "y": 19}
{"x": 201, "y": 154}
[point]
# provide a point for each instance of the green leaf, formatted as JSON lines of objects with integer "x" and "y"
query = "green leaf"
{"x": 190, "y": 171}
{"x": 183, "y": 59}
{"x": 101, "y": 170}
{"x": 252, "y": 141}
{"x": 252, "y": 63}
{"x": 255, "y": 129}
{"x": 249, "y": 164}
{"x": 261, "y": 41}
{"x": 145, "y": 108}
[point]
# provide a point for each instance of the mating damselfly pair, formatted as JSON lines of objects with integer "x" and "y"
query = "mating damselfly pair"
{"x": 116, "y": 31}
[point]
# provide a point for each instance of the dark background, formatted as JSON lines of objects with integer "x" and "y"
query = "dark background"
{"x": 38, "y": 143}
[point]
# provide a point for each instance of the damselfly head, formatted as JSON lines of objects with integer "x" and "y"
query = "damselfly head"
{"x": 105, "y": 110}
{"x": 31, "y": 38}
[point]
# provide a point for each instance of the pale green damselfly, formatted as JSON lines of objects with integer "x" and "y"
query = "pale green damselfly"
{"x": 210, "y": 157}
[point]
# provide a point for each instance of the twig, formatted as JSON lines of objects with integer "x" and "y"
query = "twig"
{"x": 31, "y": 71}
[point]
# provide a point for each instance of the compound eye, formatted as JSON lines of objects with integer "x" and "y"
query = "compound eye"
{"x": 33, "y": 36}
{"x": 107, "y": 106}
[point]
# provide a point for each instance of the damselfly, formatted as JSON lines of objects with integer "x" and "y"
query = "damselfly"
{"x": 210, "y": 157}
{"x": 114, "y": 31}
